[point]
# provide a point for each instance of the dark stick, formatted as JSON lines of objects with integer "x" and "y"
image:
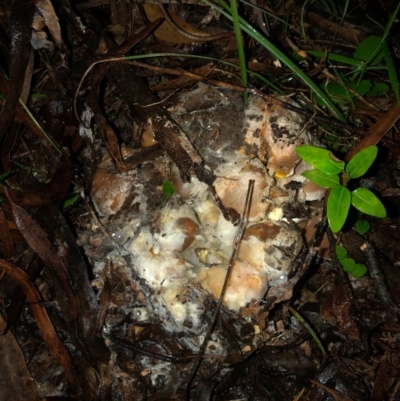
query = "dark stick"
{"x": 238, "y": 238}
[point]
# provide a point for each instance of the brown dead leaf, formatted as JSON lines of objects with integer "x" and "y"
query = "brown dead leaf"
{"x": 104, "y": 304}
{"x": 388, "y": 372}
{"x": 6, "y": 243}
{"x": 165, "y": 32}
{"x": 45, "y": 326}
{"x": 378, "y": 130}
{"x": 16, "y": 382}
{"x": 338, "y": 396}
{"x": 39, "y": 243}
{"x": 18, "y": 298}
{"x": 50, "y": 19}
{"x": 111, "y": 141}
{"x": 336, "y": 310}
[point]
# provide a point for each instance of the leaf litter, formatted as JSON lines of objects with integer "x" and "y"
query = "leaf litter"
{"x": 123, "y": 287}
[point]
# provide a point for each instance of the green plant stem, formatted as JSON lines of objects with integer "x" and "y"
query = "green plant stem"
{"x": 240, "y": 47}
{"x": 58, "y": 150}
{"x": 313, "y": 334}
{"x": 28, "y": 168}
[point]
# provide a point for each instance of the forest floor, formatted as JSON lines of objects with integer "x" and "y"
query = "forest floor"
{"x": 130, "y": 135}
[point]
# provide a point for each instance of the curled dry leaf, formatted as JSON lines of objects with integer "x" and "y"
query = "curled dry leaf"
{"x": 50, "y": 19}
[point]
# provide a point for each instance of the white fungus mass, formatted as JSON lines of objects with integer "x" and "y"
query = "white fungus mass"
{"x": 181, "y": 251}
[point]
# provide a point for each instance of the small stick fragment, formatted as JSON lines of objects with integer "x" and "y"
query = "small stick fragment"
{"x": 238, "y": 238}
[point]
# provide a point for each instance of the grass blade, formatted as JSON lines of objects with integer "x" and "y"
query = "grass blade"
{"x": 239, "y": 42}
{"x": 391, "y": 71}
{"x": 252, "y": 32}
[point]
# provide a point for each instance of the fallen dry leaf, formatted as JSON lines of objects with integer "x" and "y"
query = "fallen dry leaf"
{"x": 16, "y": 382}
{"x": 38, "y": 241}
{"x": 44, "y": 323}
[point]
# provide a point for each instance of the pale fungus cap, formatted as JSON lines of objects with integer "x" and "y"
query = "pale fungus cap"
{"x": 272, "y": 247}
{"x": 232, "y": 183}
{"x": 111, "y": 190}
{"x": 247, "y": 282}
{"x": 272, "y": 133}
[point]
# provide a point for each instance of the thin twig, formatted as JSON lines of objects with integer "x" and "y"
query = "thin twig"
{"x": 198, "y": 37}
{"x": 238, "y": 238}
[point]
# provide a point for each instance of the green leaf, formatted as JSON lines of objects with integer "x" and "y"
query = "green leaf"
{"x": 70, "y": 201}
{"x": 367, "y": 202}
{"x": 370, "y": 50}
{"x": 337, "y": 208}
{"x": 363, "y": 88}
{"x": 359, "y": 270}
{"x": 348, "y": 264}
{"x": 362, "y": 226}
{"x": 378, "y": 89}
{"x": 341, "y": 252}
{"x": 361, "y": 162}
{"x": 320, "y": 158}
{"x": 322, "y": 179}
{"x": 168, "y": 189}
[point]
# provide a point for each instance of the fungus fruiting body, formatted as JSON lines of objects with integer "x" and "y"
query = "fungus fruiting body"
{"x": 180, "y": 250}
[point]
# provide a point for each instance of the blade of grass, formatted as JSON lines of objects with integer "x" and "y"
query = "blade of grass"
{"x": 391, "y": 71}
{"x": 51, "y": 141}
{"x": 338, "y": 58}
{"x": 250, "y": 30}
{"x": 383, "y": 39}
{"x": 390, "y": 23}
{"x": 349, "y": 96}
{"x": 266, "y": 12}
{"x": 240, "y": 47}
{"x": 313, "y": 334}
{"x": 303, "y": 8}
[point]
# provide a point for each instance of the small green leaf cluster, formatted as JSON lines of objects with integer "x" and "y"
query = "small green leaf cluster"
{"x": 370, "y": 53}
{"x": 333, "y": 173}
{"x": 349, "y": 265}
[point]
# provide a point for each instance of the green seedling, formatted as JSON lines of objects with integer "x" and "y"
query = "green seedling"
{"x": 370, "y": 54}
{"x": 71, "y": 200}
{"x": 349, "y": 265}
{"x": 334, "y": 174}
{"x": 168, "y": 190}
{"x": 362, "y": 226}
